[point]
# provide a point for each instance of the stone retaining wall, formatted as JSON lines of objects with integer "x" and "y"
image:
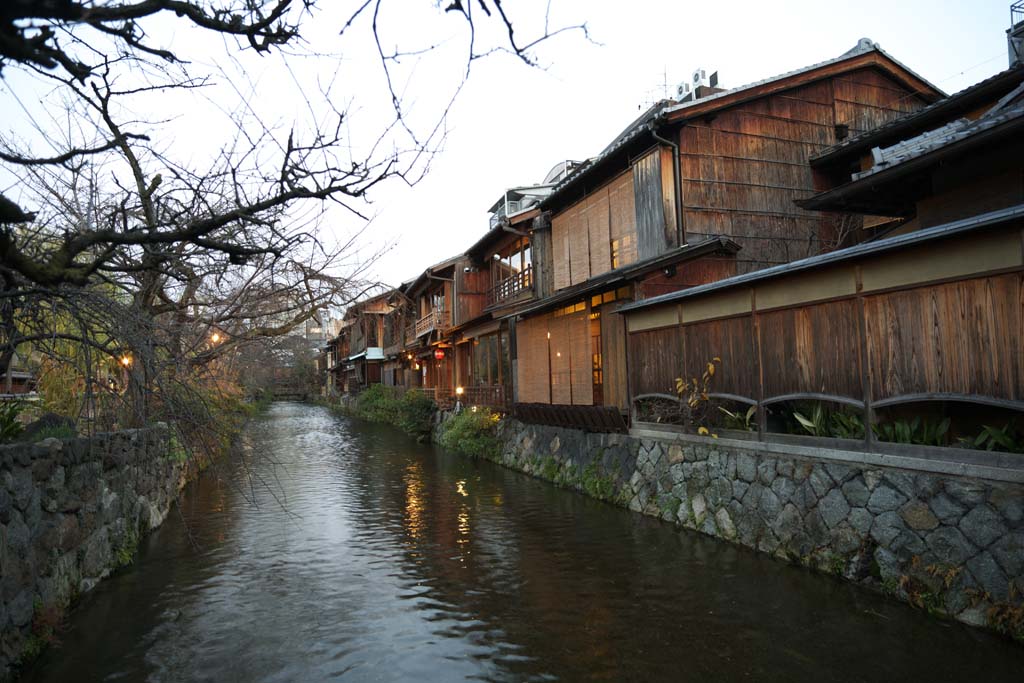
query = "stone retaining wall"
{"x": 948, "y": 543}
{"x": 71, "y": 512}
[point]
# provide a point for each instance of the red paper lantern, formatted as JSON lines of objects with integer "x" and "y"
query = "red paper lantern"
{"x": 439, "y": 354}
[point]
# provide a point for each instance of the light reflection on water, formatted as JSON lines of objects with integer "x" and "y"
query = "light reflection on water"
{"x": 345, "y": 550}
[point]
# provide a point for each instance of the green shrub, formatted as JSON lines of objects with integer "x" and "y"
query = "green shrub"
{"x": 10, "y": 427}
{"x": 378, "y": 403}
{"x": 473, "y": 433}
{"x": 415, "y": 413}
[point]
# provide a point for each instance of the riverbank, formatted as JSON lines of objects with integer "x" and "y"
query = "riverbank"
{"x": 949, "y": 544}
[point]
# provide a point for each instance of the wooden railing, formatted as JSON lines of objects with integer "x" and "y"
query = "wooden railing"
{"x": 435, "y": 320}
{"x": 511, "y": 286}
{"x": 489, "y": 396}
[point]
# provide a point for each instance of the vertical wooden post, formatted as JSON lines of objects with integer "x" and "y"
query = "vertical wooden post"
{"x": 866, "y": 380}
{"x": 762, "y": 414}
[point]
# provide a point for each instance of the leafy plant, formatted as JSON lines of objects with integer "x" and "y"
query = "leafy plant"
{"x": 926, "y": 432}
{"x": 740, "y": 421}
{"x": 693, "y": 396}
{"x": 817, "y": 423}
{"x": 1007, "y": 439}
{"x": 10, "y": 427}
{"x": 847, "y": 425}
{"x": 472, "y": 432}
{"x": 415, "y": 414}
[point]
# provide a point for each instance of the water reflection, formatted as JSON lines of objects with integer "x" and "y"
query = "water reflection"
{"x": 343, "y": 550}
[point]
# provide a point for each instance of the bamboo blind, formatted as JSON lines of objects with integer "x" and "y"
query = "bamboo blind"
{"x": 532, "y": 367}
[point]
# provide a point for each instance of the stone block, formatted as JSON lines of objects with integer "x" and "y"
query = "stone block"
{"x": 834, "y": 508}
{"x": 746, "y": 467}
{"x": 982, "y": 525}
{"x": 989, "y": 576}
{"x": 725, "y": 525}
{"x": 1009, "y": 502}
{"x": 820, "y": 481}
{"x": 766, "y": 471}
{"x": 1009, "y": 551}
{"x": 901, "y": 481}
{"x": 968, "y": 493}
{"x": 949, "y": 545}
{"x": 886, "y": 528}
{"x": 769, "y": 506}
{"x": 885, "y": 499}
{"x": 784, "y": 488}
{"x": 918, "y": 516}
{"x": 840, "y": 472}
{"x": 861, "y": 520}
{"x": 22, "y": 487}
{"x": 946, "y": 508}
{"x": 96, "y": 554}
{"x": 856, "y": 492}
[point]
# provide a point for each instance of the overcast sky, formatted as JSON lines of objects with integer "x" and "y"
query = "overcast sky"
{"x": 510, "y": 122}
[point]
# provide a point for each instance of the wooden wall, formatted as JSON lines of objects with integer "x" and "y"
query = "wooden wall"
{"x": 554, "y": 359}
{"x": 743, "y": 167}
{"x": 635, "y": 209}
{"x": 470, "y": 293}
{"x": 925, "y": 327}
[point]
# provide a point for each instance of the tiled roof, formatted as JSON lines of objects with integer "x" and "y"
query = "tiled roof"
{"x": 965, "y": 225}
{"x": 919, "y": 117}
{"x": 1009, "y": 108}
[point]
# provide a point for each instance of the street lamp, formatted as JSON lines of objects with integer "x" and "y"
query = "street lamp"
{"x": 215, "y": 337}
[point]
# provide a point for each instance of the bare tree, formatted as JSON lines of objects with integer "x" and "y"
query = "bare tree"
{"x": 121, "y": 255}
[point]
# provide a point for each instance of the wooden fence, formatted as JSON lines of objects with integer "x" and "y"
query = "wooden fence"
{"x": 941, "y": 322}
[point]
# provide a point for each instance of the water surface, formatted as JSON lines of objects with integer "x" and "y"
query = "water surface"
{"x": 343, "y": 550}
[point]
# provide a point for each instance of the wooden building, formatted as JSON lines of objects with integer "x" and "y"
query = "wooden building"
{"x": 693, "y": 191}
{"x": 926, "y": 321}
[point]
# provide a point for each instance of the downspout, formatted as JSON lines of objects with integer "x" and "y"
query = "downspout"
{"x": 677, "y": 188}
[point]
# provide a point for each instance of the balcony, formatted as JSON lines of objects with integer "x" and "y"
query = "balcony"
{"x": 435, "y": 320}
{"x": 511, "y": 287}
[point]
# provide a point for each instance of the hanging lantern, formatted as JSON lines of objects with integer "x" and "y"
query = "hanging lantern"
{"x": 439, "y": 354}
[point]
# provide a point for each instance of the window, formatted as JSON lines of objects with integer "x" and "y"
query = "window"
{"x": 488, "y": 360}
{"x": 620, "y": 248}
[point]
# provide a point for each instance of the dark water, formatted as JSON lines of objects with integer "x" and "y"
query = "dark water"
{"x": 369, "y": 557}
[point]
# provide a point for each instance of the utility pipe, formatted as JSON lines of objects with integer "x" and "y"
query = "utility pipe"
{"x": 677, "y": 189}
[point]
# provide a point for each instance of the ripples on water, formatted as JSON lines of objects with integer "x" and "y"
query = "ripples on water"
{"x": 338, "y": 549}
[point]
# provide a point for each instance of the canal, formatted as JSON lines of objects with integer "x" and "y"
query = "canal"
{"x": 341, "y": 550}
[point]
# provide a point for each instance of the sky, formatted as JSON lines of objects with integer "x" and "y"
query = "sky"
{"x": 510, "y": 122}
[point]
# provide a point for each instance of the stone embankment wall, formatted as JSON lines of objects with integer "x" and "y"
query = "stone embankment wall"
{"x": 945, "y": 542}
{"x": 71, "y": 512}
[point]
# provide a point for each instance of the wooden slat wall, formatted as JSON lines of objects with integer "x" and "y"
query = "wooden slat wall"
{"x": 580, "y": 361}
{"x": 532, "y": 360}
{"x": 560, "y": 226}
{"x": 597, "y": 228}
{"x": 731, "y": 340}
{"x": 655, "y": 360}
{"x": 561, "y": 353}
{"x": 579, "y": 245}
{"x": 962, "y": 336}
{"x": 613, "y": 351}
{"x": 812, "y": 349}
{"x": 742, "y": 169}
{"x": 622, "y": 216}
{"x": 650, "y": 208}
{"x": 472, "y": 294}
